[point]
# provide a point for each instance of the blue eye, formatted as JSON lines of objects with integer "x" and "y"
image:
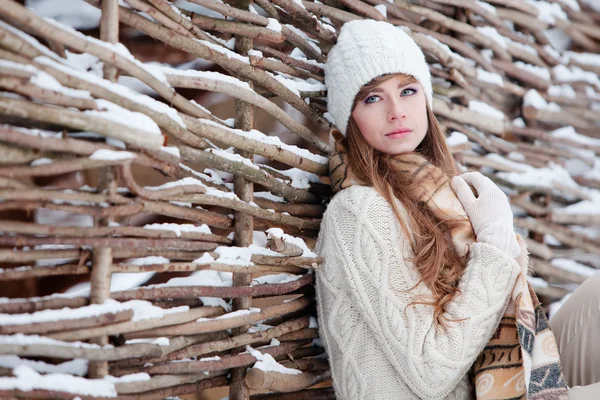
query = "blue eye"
{"x": 371, "y": 99}
{"x": 408, "y": 91}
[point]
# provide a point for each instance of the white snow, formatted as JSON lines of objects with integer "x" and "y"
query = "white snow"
{"x": 297, "y": 85}
{"x": 382, "y": 9}
{"x": 572, "y": 4}
{"x": 274, "y": 25}
{"x": 269, "y": 196}
{"x": 278, "y": 233}
{"x": 300, "y": 179}
{"x": 456, "y": 138}
{"x": 534, "y": 99}
{"x": 272, "y": 140}
{"x": 205, "y": 259}
{"x": 234, "y": 255}
{"x": 30, "y": 40}
{"x": 541, "y": 72}
{"x": 105, "y": 154}
{"x": 74, "y": 13}
{"x": 26, "y": 379}
{"x": 492, "y": 33}
{"x": 573, "y": 266}
{"x": 487, "y": 6}
{"x": 23, "y": 340}
{"x": 78, "y": 366}
{"x": 174, "y": 151}
{"x": 562, "y": 91}
{"x": 266, "y": 362}
{"x": 540, "y": 177}
{"x": 489, "y": 77}
{"x": 150, "y": 260}
{"x": 230, "y": 155}
{"x": 116, "y": 113}
{"x": 161, "y": 341}
{"x": 574, "y": 74}
{"x": 200, "y": 278}
{"x": 584, "y": 58}
{"x": 568, "y": 132}
{"x": 548, "y": 12}
{"x": 485, "y": 109}
{"x": 116, "y": 88}
{"x": 178, "y": 228}
{"x": 138, "y": 377}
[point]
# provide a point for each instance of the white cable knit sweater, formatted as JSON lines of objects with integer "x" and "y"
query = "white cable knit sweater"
{"x": 376, "y": 350}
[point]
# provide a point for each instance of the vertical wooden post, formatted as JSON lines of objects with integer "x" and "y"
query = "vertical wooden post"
{"x": 102, "y": 257}
{"x": 244, "y": 223}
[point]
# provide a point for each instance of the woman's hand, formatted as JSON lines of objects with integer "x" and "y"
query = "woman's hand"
{"x": 488, "y": 210}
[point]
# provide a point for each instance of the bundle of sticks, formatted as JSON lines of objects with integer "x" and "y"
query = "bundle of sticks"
{"x": 191, "y": 235}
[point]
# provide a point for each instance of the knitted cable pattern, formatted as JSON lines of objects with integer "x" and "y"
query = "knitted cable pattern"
{"x": 376, "y": 350}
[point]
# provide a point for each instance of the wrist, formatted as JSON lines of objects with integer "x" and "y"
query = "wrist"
{"x": 502, "y": 236}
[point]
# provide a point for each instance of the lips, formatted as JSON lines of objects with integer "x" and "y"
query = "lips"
{"x": 399, "y": 132}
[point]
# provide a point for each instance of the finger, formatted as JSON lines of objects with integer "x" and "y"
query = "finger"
{"x": 462, "y": 189}
{"x": 478, "y": 181}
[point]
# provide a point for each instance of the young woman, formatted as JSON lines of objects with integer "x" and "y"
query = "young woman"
{"x": 407, "y": 301}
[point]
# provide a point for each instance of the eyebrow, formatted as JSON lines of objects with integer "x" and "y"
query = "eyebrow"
{"x": 378, "y": 90}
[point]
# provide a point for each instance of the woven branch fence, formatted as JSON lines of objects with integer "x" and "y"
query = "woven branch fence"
{"x": 515, "y": 86}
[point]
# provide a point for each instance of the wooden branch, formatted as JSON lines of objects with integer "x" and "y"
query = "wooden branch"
{"x": 67, "y": 324}
{"x": 310, "y": 394}
{"x": 258, "y": 176}
{"x": 107, "y": 242}
{"x": 284, "y": 247}
{"x": 80, "y": 121}
{"x": 226, "y": 362}
{"x": 220, "y": 324}
{"x": 177, "y": 292}
{"x": 274, "y": 152}
{"x": 257, "y": 379}
{"x": 24, "y": 88}
{"x": 236, "y": 66}
{"x": 81, "y": 43}
{"x": 141, "y": 325}
{"x": 27, "y": 228}
{"x": 237, "y": 341}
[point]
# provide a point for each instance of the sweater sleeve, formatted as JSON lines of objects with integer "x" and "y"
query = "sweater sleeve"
{"x": 367, "y": 252}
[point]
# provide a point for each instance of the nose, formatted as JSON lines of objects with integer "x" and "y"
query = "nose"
{"x": 396, "y": 110}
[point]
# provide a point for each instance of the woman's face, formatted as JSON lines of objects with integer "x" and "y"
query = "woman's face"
{"x": 392, "y": 117}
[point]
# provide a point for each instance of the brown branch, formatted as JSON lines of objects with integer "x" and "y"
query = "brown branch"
{"x": 214, "y": 132}
{"x": 141, "y": 325}
{"x": 237, "y": 341}
{"x": 234, "y": 65}
{"x": 220, "y": 324}
{"x": 278, "y": 187}
{"x": 284, "y": 247}
{"x": 226, "y": 362}
{"x": 99, "y": 231}
{"x": 67, "y": 324}
{"x": 237, "y": 28}
{"x": 20, "y": 241}
{"x": 23, "y": 87}
{"x": 81, "y": 43}
{"x": 176, "y": 292}
{"x": 84, "y": 122}
{"x": 310, "y": 394}
{"x": 257, "y": 379}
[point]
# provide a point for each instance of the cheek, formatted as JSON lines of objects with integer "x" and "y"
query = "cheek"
{"x": 366, "y": 123}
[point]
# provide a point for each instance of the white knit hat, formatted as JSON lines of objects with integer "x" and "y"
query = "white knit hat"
{"x": 365, "y": 50}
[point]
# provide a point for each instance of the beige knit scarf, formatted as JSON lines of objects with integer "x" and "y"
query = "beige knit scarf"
{"x": 521, "y": 358}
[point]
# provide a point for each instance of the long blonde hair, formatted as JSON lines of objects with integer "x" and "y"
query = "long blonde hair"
{"x": 437, "y": 262}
